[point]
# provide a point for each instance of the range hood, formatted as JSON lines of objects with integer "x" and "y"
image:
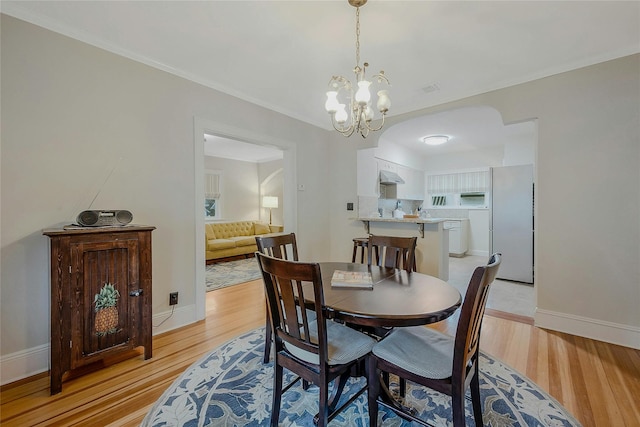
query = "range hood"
{"x": 388, "y": 177}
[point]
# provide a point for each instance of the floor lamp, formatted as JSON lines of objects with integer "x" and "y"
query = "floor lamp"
{"x": 270, "y": 202}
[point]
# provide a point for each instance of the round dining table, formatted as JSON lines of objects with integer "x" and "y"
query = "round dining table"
{"x": 398, "y": 298}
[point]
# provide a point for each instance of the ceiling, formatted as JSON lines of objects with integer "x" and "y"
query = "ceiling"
{"x": 281, "y": 54}
{"x": 217, "y": 146}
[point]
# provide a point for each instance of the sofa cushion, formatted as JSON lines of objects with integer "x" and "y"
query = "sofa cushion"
{"x": 218, "y": 244}
{"x": 210, "y": 233}
{"x": 261, "y": 228}
{"x": 244, "y": 240}
{"x": 226, "y": 230}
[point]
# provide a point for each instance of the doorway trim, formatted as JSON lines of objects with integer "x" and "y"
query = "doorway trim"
{"x": 290, "y": 202}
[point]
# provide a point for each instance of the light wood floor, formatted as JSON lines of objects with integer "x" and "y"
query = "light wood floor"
{"x": 598, "y": 383}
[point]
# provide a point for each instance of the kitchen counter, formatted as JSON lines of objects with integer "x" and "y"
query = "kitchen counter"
{"x": 409, "y": 220}
{"x": 432, "y": 247}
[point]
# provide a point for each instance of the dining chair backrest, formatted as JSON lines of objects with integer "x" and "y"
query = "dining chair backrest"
{"x": 281, "y": 246}
{"x": 283, "y": 281}
{"x": 473, "y": 306}
{"x": 392, "y": 252}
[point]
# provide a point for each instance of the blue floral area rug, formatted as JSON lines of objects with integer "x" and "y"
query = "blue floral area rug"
{"x": 223, "y": 274}
{"x": 231, "y": 387}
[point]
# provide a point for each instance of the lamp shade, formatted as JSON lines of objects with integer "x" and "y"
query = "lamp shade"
{"x": 270, "y": 202}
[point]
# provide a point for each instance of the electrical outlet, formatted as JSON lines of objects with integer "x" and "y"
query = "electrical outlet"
{"x": 173, "y": 298}
{"x": 349, "y": 206}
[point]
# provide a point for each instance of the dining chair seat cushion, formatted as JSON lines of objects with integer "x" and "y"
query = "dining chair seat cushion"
{"x": 422, "y": 351}
{"x": 344, "y": 345}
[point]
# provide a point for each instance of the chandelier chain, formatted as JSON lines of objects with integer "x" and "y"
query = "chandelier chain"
{"x": 357, "y": 36}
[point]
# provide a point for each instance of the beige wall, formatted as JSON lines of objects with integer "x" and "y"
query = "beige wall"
{"x": 587, "y": 195}
{"x": 271, "y": 177}
{"x": 72, "y": 113}
{"x": 239, "y": 188}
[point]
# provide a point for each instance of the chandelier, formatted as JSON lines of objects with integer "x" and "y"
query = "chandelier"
{"x": 359, "y": 103}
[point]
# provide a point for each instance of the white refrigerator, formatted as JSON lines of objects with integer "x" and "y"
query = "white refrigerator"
{"x": 511, "y": 228}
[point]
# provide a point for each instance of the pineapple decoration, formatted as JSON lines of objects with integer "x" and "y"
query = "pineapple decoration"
{"x": 106, "y": 321}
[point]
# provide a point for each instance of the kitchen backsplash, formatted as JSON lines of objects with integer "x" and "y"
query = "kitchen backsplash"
{"x": 371, "y": 207}
{"x": 387, "y": 206}
{"x": 368, "y": 207}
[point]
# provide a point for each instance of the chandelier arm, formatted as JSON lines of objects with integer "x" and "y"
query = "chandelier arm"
{"x": 345, "y": 132}
{"x": 380, "y": 76}
{"x": 378, "y": 128}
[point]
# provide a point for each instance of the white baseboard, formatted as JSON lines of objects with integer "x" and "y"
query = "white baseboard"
{"x": 26, "y": 363}
{"x": 23, "y": 364}
{"x": 614, "y": 333}
{"x": 164, "y": 322}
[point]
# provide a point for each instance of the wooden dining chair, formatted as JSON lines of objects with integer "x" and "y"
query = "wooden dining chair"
{"x": 319, "y": 350}
{"x": 392, "y": 252}
{"x": 282, "y": 246}
{"x": 432, "y": 359}
{"x": 359, "y": 243}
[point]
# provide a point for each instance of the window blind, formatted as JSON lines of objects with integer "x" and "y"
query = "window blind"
{"x": 211, "y": 186}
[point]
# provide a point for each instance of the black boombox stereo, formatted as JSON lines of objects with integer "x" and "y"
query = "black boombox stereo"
{"x": 104, "y": 218}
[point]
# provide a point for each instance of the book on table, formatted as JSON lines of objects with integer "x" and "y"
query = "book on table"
{"x": 352, "y": 279}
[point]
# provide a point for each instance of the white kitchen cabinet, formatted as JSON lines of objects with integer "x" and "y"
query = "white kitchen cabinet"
{"x": 367, "y": 173}
{"x": 413, "y": 188}
{"x": 368, "y": 176}
{"x": 479, "y": 232}
{"x": 419, "y": 181}
{"x": 385, "y": 165}
{"x": 462, "y": 182}
{"x": 458, "y": 236}
{"x": 404, "y": 190}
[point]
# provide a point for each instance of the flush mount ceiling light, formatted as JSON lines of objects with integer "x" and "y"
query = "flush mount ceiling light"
{"x": 435, "y": 139}
{"x": 361, "y": 113}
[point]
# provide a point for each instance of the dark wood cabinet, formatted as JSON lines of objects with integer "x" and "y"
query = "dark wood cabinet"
{"x": 100, "y": 295}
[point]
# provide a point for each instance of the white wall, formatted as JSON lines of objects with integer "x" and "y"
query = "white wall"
{"x": 271, "y": 177}
{"x": 400, "y": 155}
{"x": 520, "y": 146}
{"x": 239, "y": 188}
{"x": 464, "y": 161}
{"x": 71, "y": 113}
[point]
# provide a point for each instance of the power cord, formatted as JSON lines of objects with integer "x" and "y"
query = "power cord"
{"x": 169, "y": 317}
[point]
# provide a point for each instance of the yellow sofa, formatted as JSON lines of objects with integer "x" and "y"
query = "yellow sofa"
{"x": 228, "y": 239}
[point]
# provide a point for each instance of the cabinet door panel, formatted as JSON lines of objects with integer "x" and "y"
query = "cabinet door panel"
{"x": 102, "y": 310}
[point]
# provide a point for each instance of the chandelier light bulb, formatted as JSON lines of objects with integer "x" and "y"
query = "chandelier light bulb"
{"x": 341, "y": 114}
{"x": 383, "y": 101}
{"x": 363, "y": 96}
{"x": 368, "y": 114}
{"x": 332, "y": 102}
